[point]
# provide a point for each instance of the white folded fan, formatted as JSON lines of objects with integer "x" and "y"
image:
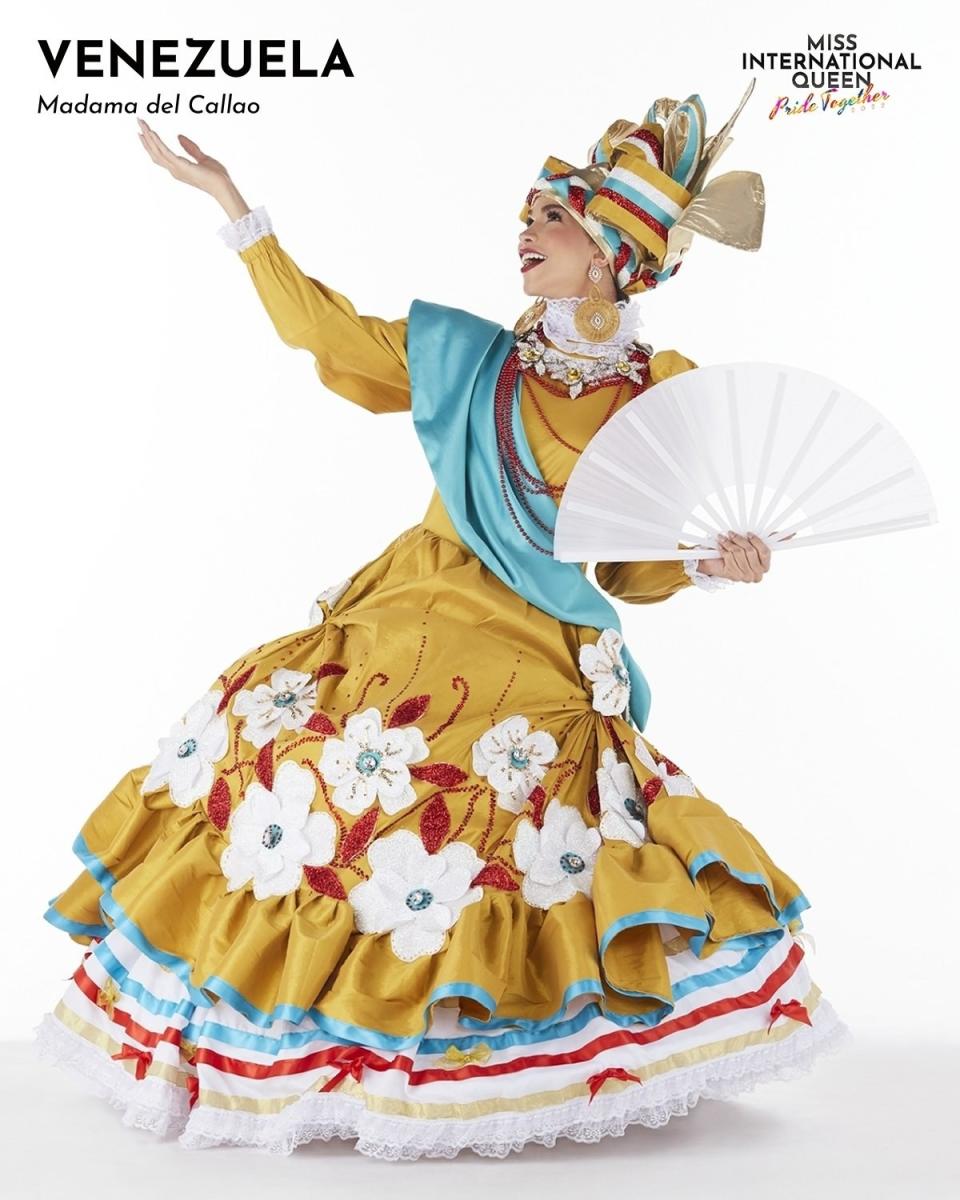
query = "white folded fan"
{"x": 750, "y": 447}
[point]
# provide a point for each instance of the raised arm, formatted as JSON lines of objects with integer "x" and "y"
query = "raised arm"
{"x": 648, "y": 582}
{"x": 361, "y": 358}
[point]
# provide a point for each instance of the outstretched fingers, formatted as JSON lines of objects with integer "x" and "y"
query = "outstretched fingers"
{"x": 191, "y": 147}
{"x": 159, "y": 151}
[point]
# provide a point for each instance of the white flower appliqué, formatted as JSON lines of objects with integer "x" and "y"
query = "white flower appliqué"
{"x": 330, "y": 596}
{"x": 513, "y": 760}
{"x": 603, "y": 666}
{"x": 287, "y": 702}
{"x": 621, "y": 811}
{"x": 557, "y": 859}
{"x": 415, "y": 895}
{"x": 186, "y": 758}
{"x": 674, "y": 782}
{"x": 273, "y": 834}
{"x": 370, "y": 763}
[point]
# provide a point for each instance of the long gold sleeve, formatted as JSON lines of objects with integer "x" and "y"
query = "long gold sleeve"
{"x": 648, "y": 582}
{"x": 642, "y": 582}
{"x": 363, "y": 359}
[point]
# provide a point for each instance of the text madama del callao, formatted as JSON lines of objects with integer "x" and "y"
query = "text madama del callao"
{"x": 226, "y": 102}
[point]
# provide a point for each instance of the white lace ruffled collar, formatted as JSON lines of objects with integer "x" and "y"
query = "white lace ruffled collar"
{"x": 558, "y": 328}
{"x": 554, "y": 348}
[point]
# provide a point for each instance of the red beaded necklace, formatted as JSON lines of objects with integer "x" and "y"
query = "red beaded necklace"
{"x": 614, "y": 403}
{"x": 510, "y": 465}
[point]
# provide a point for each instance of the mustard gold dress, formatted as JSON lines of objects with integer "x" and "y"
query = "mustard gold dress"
{"x": 401, "y": 876}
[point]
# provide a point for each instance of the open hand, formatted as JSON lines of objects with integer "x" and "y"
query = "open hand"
{"x": 205, "y": 172}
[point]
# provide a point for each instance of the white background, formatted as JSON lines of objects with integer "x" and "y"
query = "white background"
{"x": 179, "y": 485}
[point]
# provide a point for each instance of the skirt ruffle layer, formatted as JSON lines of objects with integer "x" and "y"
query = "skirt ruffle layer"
{"x": 134, "y": 1035}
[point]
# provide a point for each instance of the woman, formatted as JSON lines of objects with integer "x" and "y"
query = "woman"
{"x": 410, "y": 875}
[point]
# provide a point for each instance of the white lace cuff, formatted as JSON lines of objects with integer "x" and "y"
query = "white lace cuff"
{"x": 250, "y": 228}
{"x": 709, "y": 583}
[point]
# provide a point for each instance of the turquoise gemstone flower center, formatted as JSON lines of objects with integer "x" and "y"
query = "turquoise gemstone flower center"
{"x": 572, "y": 863}
{"x": 272, "y": 835}
{"x": 368, "y": 761}
{"x": 419, "y": 898}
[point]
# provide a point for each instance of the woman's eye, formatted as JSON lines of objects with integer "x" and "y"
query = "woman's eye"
{"x": 553, "y": 215}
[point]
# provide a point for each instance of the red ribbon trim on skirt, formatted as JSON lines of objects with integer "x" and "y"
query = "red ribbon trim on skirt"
{"x": 335, "y": 1056}
{"x": 788, "y": 1008}
{"x": 144, "y": 1057}
{"x": 353, "y": 1064}
{"x": 596, "y": 1082}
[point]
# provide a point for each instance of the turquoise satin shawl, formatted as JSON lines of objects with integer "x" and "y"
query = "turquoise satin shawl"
{"x": 454, "y": 361}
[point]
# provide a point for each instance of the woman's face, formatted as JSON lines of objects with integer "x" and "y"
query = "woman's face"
{"x": 565, "y": 251}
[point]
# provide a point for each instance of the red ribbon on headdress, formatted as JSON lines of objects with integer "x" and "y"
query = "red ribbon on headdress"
{"x": 144, "y": 1057}
{"x": 596, "y": 1082}
{"x": 788, "y": 1008}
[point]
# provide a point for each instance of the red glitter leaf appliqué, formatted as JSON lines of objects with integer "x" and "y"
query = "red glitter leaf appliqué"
{"x": 331, "y": 669}
{"x": 651, "y": 789}
{"x": 325, "y": 881}
{"x": 434, "y": 824}
{"x": 218, "y": 803}
{"x": 355, "y": 841}
{"x": 412, "y": 709}
{"x": 495, "y": 875}
{"x": 593, "y": 799}
{"x": 233, "y": 686}
{"x": 615, "y": 737}
{"x": 264, "y": 766}
{"x": 321, "y": 723}
{"x": 538, "y": 798}
{"x": 672, "y": 768}
{"x": 444, "y": 775}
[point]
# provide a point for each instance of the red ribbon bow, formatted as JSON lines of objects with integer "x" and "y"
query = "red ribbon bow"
{"x": 144, "y": 1057}
{"x": 352, "y": 1064}
{"x": 193, "y": 1089}
{"x": 596, "y": 1082}
{"x": 788, "y": 1008}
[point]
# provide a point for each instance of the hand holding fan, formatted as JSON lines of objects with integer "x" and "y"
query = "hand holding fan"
{"x": 750, "y": 447}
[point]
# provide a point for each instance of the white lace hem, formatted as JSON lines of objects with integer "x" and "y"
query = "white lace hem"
{"x": 162, "y": 1107}
{"x": 246, "y": 230}
{"x": 709, "y": 583}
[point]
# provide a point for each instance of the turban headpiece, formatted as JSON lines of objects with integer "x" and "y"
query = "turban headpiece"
{"x": 644, "y": 193}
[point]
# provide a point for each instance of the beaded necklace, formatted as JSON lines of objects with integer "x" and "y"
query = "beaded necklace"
{"x": 509, "y": 462}
{"x": 553, "y": 433}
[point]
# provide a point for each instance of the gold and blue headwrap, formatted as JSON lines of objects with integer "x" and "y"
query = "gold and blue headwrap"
{"x": 643, "y": 194}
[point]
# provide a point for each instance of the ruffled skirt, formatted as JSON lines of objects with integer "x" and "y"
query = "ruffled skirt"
{"x": 409, "y": 877}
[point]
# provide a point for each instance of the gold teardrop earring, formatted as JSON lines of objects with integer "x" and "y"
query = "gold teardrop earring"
{"x": 596, "y": 319}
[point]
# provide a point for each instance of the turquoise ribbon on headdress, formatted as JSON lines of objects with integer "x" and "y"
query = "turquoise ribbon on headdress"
{"x": 454, "y": 361}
